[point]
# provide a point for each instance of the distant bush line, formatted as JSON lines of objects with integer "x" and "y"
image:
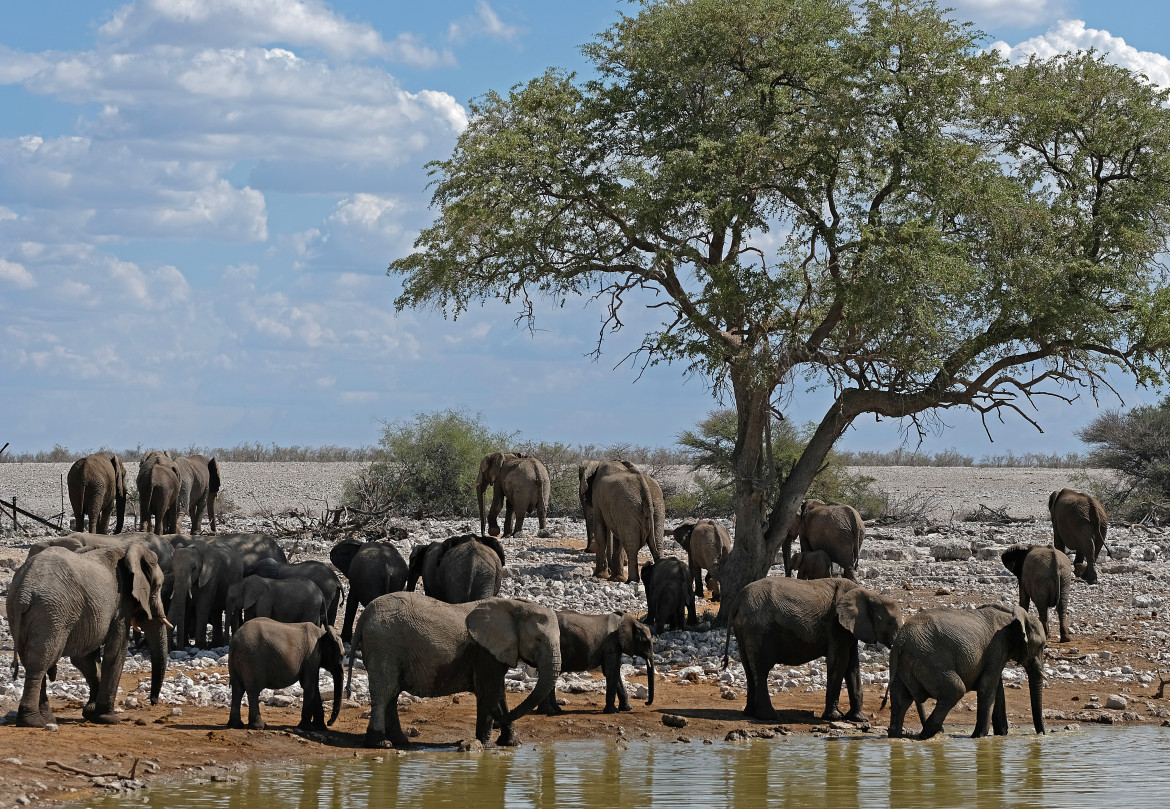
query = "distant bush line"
{"x": 238, "y": 453}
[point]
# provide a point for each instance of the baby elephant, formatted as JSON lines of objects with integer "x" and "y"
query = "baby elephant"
{"x": 707, "y": 543}
{"x": 268, "y": 654}
{"x": 812, "y": 565}
{"x": 669, "y": 594}
{"x": 590, "y": 642}
{"x": 1045, "y": 576}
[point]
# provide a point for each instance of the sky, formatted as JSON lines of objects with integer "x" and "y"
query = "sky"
{"x": 199, "y": 199}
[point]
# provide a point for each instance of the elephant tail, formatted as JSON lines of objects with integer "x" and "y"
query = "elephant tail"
{"x": 355, "y": 645}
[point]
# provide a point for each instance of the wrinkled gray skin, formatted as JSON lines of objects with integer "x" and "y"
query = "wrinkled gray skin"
{"x": 1079, "y": 524}
{"x": 707, "y": 543}
{"x": 204, "y": 574}
{"x": 812, "y": 565}
{"x": 411, "y": 642}
{"x": 373, "y": 569}
{"x": 252, "y": 549}
{"x": 590, "y": 642}
{"x": 81, "y": 605}
{"x": 584, "y": 470}
{"x": 943, "y": 653}
{"x": 317, "y": 572}
{"x": 1045, "y": 575}
{"x": 158, "y": 493}
{"x": 97, "y": 489}
{"x": 458, "y": 569}
{"x": 198, "y": 488}
{"x": 289, "y": 601}
{"x": 270, "y": 654}
{"x": 628, "y": 513}
{"x": 791, "y": 622}
{"x": 670, "y": 599}
{"x": 836, "y": 529}
{"x": 520, "y": 485}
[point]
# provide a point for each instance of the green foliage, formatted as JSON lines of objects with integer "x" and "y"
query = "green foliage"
{"x": 1137, "y": 445}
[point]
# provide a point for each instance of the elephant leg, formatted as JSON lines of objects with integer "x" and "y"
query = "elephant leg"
{"x": 113, "y": 660}
{"x": 351, "y": 605}
{"x": 843, "y": 668}
{"x": 787, "y": 548}
{"x": 616, "y": 568}
{"x": 1062, "y": 615}
{"x": 494, "y": 511}
{"x": 900, "y": 700}
{"x": 601, "y": 541}
{"x": 88, "y": 666}
{"x": 196, "y": 517}
{"x": 509, "y": 516}
{"x": 615, "y": 687}
{"x": 234, "y": 720}
{"x": 254, "y": 720}
{"x": 1090, "y": 570}
{"x": 518, "y": 513}
{"x": 34, "y": 711}
{"x": 541, "y": 514}
{"x": 202, "y": 613}
{"x": 951, "y": 692}
{"x": 756, "y": 667}
{"x": 103, "y": 525}
{"x": 999, "y": 720}
{"x": 312, "y": 707}
{"x": 988, "y": 692}
{"x": 1042, "y": 609}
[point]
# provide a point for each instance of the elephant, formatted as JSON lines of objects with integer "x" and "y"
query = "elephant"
{"x": 373, "y": 569}
{"x": 289, "y": 601}
{"x": 628, "y": 512}
{"x": 1045, "y": 575}
{"x": 204, "y": 574}
{"x": 669, "y": 595}
{"x": 707, "y": 543}
{"x": 591, "y": 642}
{"x": 812, "y": 565}
{"x": 82, "y": 605}
{"x": 584, "y": 470}
{"x": 1079, "y": 524}
{"x": 198, "y": 488}
{"x": 97, "y": 489}
{"x": 787, "y": 621}
{"x": 411, "y": 642}
{"x": 836, "y": 529}
{"x": 520, "y": 484}
{"x": 158, "y": 493}
{"x": 317, "y": 572}
{"x": 271, "y": 654}
{"x": 458, "y": 569}
{"x": 943, "y": 653}
{"x": 252, "y": 549}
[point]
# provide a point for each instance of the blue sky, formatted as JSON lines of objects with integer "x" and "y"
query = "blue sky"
{"x": 198, "y": 201}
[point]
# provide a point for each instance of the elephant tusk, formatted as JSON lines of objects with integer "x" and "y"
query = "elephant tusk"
{"x": 167, "y": 623}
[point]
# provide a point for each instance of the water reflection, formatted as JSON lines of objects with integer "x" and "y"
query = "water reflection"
{"x": 1127, "y": 768}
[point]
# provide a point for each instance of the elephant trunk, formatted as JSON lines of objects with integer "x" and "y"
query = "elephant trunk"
{"x": 1035, "y": 693}
{"x": 650, "y": 677}
{"x": 155, "y": 633}
{"x": 338, "y": 682}
{"x": 548, "y": 665}
{"x": 480, "y": 488}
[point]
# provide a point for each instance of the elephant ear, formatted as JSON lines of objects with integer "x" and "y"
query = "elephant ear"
{"x": 647, "y": 576}
{"x": 206, "y": 568}
{"x": 853, "y": 613}
{"x": 492, "y": 626}
{"x": 414, "y": 569}
{"x": 332, "y": 649}
{"x": 119, "y": 477}
{"x": 139, "y": 561}
{"x": 587, "y": 487}
{"x": 250, "y": 593}
{"x": 342, "y": 554}
{"x": 682, "y": 535}
{"x": 494, "y": 544}
{"x": 1052, "y": 498}
{"x": 1020, "y": 623}
{"x": 1013, "y": 559}
{"x": 212, "y": 478}
{"x": 626, "y": 630}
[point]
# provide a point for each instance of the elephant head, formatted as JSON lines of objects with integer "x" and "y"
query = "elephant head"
{"x": 1013, "y": 558}
{"x": 869, "y": 615}
{"x": 1026, "y": 646}
{"x": 146, "y": 581}
{"x": 489, "y": 473}
{"x": 332, "y": 656}
{"x": 342, "y": 554}
{"x": 637, "y": 641}
{"x": 682, "y": 535}
{"x": 424, "y": 564}
{"x": 512, "y": 630}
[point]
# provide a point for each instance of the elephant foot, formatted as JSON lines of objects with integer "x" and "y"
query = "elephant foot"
{"x": 620, "y": 577}
{"x": 235, "y": 724}
{"x": 855, "y": 716}
{"x": 1065, "y": 638}
{"x": 105, "y": 719}
{"x": 508, "y": 739}
{"x": 33, "y": 719}
{"x": 610, "y": 709}
{"x": 625, "y": 707}
{"x": 768, "y": 714}
{"x": 375, "y": 739}
{"x": 832, "y": 715}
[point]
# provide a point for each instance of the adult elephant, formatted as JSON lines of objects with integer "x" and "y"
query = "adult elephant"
{"x": 458, "y": 569}
{"x": 707, "y": 544}
{"x": 591, "y": 642}
{"x": 158, "y": 493}
{"x": 204, "y": 574}
{"x": 1079, "y": 525}
{"x": 81, "y": 605}
{"x": 414, "y": 643}
{"x": 289, "y": 601}
{"x": 198, "y": 488}
{"x": 317, "y": 572}
{"x": 520, "y": 485}
{"x": 97, "y": 489}
{"x": 628, "y": 513}
{"x": 791, "y": 622}
{"x": 252, "y": 549}
{"x": 834, "y": 528}
{"x": 1045, "y": 576}
{"x": 373, "y": 569}
{"x": 943, "y": 653}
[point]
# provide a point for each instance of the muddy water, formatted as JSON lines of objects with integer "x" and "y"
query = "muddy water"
{"x": 1115, "y": 768}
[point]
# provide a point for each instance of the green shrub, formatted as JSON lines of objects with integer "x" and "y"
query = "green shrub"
{"x": 1137, "y": 446}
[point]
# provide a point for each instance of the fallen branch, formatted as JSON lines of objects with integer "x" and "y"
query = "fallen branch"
{"x": 1161, "y": 690}
{"x": 88, "y": 774}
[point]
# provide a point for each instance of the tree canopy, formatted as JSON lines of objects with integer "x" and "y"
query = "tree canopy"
{"x": 821, "y": 193}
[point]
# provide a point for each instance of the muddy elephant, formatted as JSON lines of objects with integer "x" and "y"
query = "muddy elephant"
{"x": 628, "y": 513}
{"x": 269, "y": 654}
{"x": 791, "y": 622}
{"x": 81, "y": 605}
{"x": 812, "y": 565}
{"x": 158, "y": 493}
{"x": 1045, "y": 575}
{"x": 204, "y": 574}
{"x": 670, "y": 599}
{"x": 590, "y": 642}
{"x": 943, "y": 653}
{"x": 317, "y": 572}
{"x": 1079, "y": 525}
{"x": 707, "y": 544}
{"x": 411, "y": 642}
{"x": 198, "y": 488}
{"x": 289, "y": 601}
{"x": 373, "y": 569}
{"x": 836, "y": 529}
{"x": 520, "y": 484}
{"x": 458, "y": 569}
{"x": 97, "y": 489}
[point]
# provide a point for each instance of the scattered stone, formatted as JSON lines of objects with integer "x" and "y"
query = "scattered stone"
{"x": 472, "y": 746}
{"x": 1116, "y": 702}
{"x": 673, "y": 721}
{"x": 741, "y": 735}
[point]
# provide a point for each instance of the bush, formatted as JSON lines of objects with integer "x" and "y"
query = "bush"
{"x": 1137, "y": 445}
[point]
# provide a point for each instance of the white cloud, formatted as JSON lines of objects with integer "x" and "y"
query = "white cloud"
{"x": 16, "y": 274}
{"x": 1007, "y": 12}
{"x": 1071, "y": 35}
{"x": 484, "y": 23}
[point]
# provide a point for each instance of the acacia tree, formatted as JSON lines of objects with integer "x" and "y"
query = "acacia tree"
{"x": 820, "y": 192}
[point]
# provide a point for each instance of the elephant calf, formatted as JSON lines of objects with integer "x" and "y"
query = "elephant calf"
{"x": 1045, "y": 575}
{"x": 707, "y": 543}
{"x": 812, "y": 565}
{"x": 270, "y": 654}
{"x": 669, "y": 595}
{"x": 289, "y": 601}
{"x": 590, "y": 642}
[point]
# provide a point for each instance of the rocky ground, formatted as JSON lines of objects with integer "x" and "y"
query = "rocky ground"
{"x": 1109, "y": 673}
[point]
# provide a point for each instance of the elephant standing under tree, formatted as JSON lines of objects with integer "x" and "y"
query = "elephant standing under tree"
{"x": 787, "y": 621}
{"x": 158, "y": 493}
{"x": 410, "y": 642}
{"x": 520, "y": 484}
{"x": 458, "y": 569}
{"x": 628, "y": 513}
{"x": 669, "y": 596}
{"x": 1045, "y": 575}
{"x": 707, "y": 544}
{"x": 198, "y": 488}
{"x": 591, "y": 642}
{"x": 1079, "y": 524}
{"x": 97, "y": 489}
{"x": 836, "y": 529}
{"x": 943, "y": 653}
{"x": 269, "y": 654}
{"x": 81, "y": 605}
{"x": 373, "y": 569}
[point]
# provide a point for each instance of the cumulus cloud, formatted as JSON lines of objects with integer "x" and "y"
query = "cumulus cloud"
{"x": 989, "y": 13}
{"x": 16, "y": 274}
{"x": 1071, "y": 35}
{"x": 484, "y": 23}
